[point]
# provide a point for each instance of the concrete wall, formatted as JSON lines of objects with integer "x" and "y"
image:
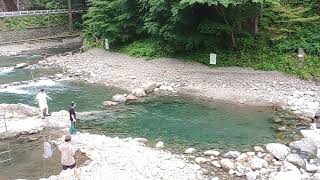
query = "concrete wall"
{"x": 18, "y": 35}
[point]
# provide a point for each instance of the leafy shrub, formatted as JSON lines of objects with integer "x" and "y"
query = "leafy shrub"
{"x": 147, "y": 49}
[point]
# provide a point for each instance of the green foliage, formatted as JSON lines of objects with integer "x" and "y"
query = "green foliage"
{"x": 229, "y": 27}
{"x": 27, "y": 22}
{"x": 293, "y": 27}
{"x": 147, "y": 49}
{"x": 49, "y": 4}
{"x": 117, "y": 20}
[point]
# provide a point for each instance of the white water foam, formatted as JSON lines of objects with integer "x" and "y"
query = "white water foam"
{"x": 6, "y": 70}
{"x": 25, "y": 89}
{"x": 14, "y": 90}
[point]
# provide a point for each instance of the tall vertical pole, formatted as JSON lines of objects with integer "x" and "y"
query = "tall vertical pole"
{"x": 70, "y": 16}
{"x": 18, "y": 5}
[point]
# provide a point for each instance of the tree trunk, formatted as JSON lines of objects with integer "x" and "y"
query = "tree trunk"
{"x": 256, "y": 24}
{"x": 70, "y": 16}
{"x": 233, "y": 39}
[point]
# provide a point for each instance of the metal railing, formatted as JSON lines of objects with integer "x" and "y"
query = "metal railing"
{"x": 36, "y": 12}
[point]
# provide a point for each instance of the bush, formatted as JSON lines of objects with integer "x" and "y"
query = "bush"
{"x": 147, "y": 49}
{"x": 34, "y": 21}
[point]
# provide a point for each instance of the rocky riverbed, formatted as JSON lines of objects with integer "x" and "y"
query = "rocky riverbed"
{"x": 237, "y": 85}
{"x": 131, "y": 159}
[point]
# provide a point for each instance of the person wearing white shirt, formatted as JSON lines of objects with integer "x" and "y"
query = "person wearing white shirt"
{"x": 42, "y": 101}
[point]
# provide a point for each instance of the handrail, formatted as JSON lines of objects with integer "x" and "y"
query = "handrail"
{"x": 37, "y": 12}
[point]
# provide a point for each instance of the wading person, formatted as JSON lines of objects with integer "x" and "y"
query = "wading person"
{"x": 42, "y": 102}
{"x": 73, "y": 118}
{"x": 67, "y": 154}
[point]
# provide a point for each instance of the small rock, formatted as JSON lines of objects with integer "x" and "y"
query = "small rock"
{"x": 156, "y": 89}
{"x": 150, "y": 87}
{"x": 296, "y": 160}
{"x": 160, "y": 145}
{"x": 201, "y": 160}
{"x": 190, "y": 151}
{"x": 139, "y": 92}
{"x": 312, "y": 168}
{"x": 131, "y": 97}
{"x": 109, "y": 103}
{"x": 277, "y": 120}
{"x": 263, "y": 171}
{"x": 282, "y": 129}
{"x": 166, "y": 88}
{"x": 141, "y": 140}
{"x": 211, "y": 153}
{"x": 232, "y": 154}
{"x": 226, "y": 164}
{"x": 277, "y": 163}
{"x": 59, "y": 76}
{"x": 243, "y": 157}
{"x": 21, "y": 65}
{"x": 119, "y": 98}
{"x": 278, "y": 150}
{"x": 257, "y": 164}
{"x": 268, "y": 157}
{"x": 215, "y": 178}
{"x": 251, "y": 175}
{"x": 289, "y": 167}
{"x": 251, "y": 153}
{"x": 216, "y": 164}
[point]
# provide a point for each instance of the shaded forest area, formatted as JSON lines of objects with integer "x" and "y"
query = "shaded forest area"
{"x": 259, "y": 34}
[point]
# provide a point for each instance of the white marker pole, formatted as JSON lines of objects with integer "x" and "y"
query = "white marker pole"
{"x": 213, "y": 58}
{"x": 106, "y": 43}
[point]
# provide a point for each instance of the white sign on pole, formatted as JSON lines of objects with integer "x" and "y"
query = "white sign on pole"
{"x": 213, "y": 58}
{"x": 106, "y": 43}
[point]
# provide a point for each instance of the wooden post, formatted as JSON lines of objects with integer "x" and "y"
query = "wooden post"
{"x": 70, "y": 16}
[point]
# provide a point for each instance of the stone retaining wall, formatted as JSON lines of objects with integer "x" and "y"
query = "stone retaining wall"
{"x": 18, "y": 35}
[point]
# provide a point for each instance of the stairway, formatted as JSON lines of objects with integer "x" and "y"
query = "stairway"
{"x": 10, "y": 5}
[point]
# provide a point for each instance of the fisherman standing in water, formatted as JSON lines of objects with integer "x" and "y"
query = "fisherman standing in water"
{"x": 42, "y": 101}
{"x": 73, "y": 118}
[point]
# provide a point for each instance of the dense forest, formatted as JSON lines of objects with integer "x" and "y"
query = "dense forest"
{"x": 262, "y": 34}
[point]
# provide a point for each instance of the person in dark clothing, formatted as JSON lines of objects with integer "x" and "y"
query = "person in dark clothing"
{"x": 73, "y": 118}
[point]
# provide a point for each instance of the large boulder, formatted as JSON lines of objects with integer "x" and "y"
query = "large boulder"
{"x": 278, "y": 150}
{"x": 306, "y": 147}
{"x": 18, "y": 110}
{"x": 119, "y": 98}
{"x": 296, "y": 160}
{"x": 139, "y": 92}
